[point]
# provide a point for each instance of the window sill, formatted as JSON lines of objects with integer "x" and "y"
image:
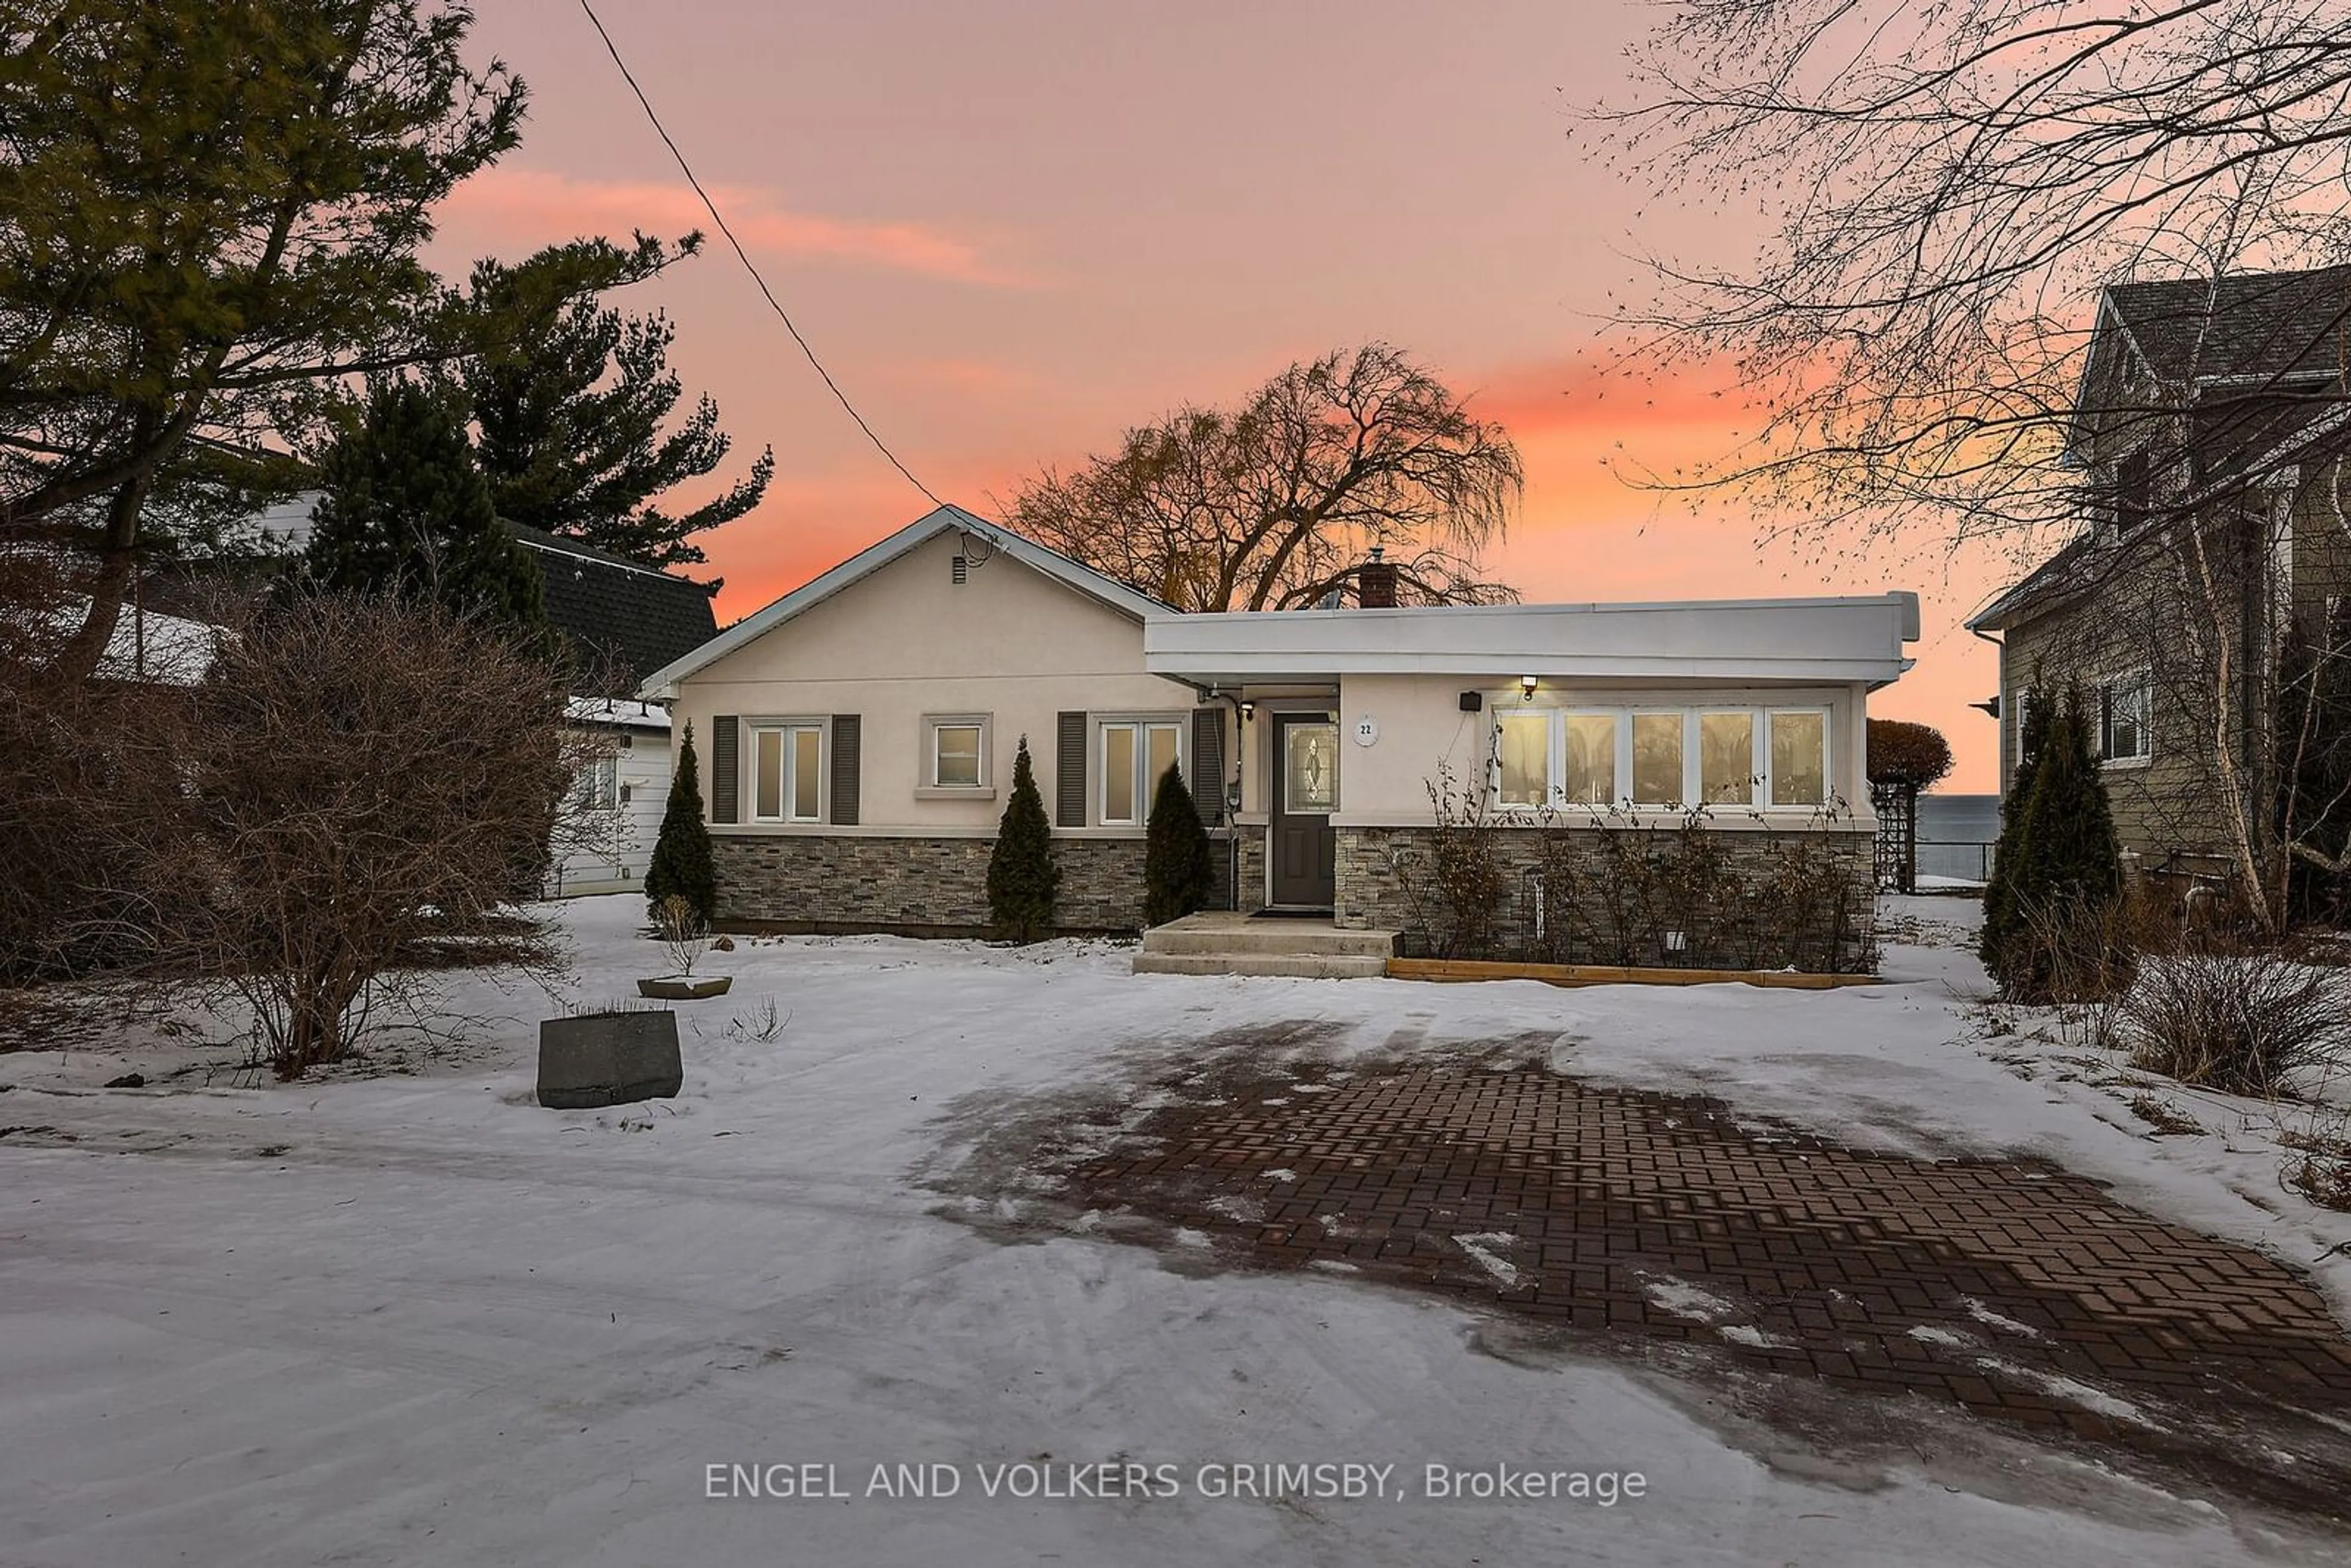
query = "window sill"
{"x": 2126, "y": 762}
{"x": 953, "y": 792}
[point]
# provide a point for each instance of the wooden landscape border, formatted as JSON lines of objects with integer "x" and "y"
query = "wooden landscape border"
{"x": 1455, "y": 970}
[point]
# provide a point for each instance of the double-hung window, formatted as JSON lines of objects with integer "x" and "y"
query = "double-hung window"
{"x": 787, "y": 772}
{"x": 2125, "y": 718}
{"x": 957, "y": 758}
{"x": 1522, "y": 759}
{"x": 1135, "y": 753}
{"x": 601, "y": 784}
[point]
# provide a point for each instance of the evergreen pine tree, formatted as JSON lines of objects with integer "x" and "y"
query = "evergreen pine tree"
{"x": 1177, "y": 869}
{"x": 680, "y": 864}
{"x": 577, "y": 408}
{"x": 1023, "y": 879}
{"x": 407, "y": 512}
{"x": 2062, "y": 873}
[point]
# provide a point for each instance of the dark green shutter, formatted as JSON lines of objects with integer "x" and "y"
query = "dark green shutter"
{"x": 1070, "y": 772}
{"x": 846, "y": 735}
{"x": 726, "y": 770}
{"x": 1207, "y": 779}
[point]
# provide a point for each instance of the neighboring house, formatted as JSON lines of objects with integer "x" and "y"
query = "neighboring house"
{"x": 621, "y": 619}
{"x": 861, "y": 729}
{"x": 2210, "y": 430}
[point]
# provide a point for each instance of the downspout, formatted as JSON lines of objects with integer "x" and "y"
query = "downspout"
{"x": 2000, "y": 718}
{"x": 1225, "y": 808}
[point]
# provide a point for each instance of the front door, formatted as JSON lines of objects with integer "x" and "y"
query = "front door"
{"x": 1305, "y": 793}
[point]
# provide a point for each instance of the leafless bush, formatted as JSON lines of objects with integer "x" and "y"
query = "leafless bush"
{"x": 1456, "y": 891}
{"x": 2240, "y": 1023}
{"x": 355, "y": 783}
{"x": 682, "y": 933}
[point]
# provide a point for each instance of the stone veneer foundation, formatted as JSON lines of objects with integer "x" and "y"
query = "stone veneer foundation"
{"x": 921, "y": 886}
{"x": 1371, "y": 895}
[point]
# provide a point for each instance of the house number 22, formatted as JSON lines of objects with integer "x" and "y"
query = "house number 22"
{"x": 1367, "y": 730}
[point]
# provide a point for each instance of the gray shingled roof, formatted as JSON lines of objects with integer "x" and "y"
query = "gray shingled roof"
{"x": 620, "y": 616}
{"x": 2253, "y": 326}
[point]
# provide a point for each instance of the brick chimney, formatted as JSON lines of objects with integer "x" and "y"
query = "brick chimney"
{"x": 1376, "y": 582}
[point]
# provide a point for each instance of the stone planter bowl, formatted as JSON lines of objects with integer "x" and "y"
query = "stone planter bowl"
{"x": 681, "y": 988}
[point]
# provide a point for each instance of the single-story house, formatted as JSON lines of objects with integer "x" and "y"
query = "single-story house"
{"x": 858, "y": 733}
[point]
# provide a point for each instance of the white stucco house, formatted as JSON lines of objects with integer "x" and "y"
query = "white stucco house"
{"x": 858, "y": 733}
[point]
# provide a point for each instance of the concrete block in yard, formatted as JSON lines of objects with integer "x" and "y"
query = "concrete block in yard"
{"x": 608, "y": 1059}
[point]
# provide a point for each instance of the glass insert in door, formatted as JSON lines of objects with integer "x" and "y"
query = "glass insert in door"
{"x": 1310, "y": 769}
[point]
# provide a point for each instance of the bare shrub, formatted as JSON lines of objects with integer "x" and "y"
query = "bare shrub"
{"x": 1456, "y": 894}
{"x": 682, "y": 933}
{"x": 357, "y": 783}
{"x": 2240, "y": 1023}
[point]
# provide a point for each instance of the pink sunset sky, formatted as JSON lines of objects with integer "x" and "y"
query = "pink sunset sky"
{"x": 1013, "y": 229}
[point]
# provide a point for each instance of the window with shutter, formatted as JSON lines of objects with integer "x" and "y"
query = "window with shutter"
{"x": 726, "y": 770}
{"x": 847, "y": 737}
{"x": 1208, "y": 762}
{"x": 1070, "y": 772}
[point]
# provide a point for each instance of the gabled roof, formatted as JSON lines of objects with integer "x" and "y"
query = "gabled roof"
{"x": 618, "y": 614}
{"x": 2244, "y": 327}
{"x": 1085, "y": 580}
{"x": 2071, "y": 570}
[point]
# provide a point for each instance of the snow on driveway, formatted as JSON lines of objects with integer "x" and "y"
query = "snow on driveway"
{"x": 417, "y": 1319}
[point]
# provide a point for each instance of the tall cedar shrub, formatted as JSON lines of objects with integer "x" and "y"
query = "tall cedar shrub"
{"x": 1023, "y": 879}
{"x": 2062, "y": 873}
{"x": 1178, "y": 872}
{"x": 2002, "y": 921}
{"x": 680, "y": 864}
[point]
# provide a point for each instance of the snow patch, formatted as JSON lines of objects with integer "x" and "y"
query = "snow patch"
{"x": 2057, "y": 1385}
{"x": 1485, "y": 1249}
{"x": 1927, "y": 1335}
{"x": 1750, "y": 1335}
{"x": 1990, "y": 1319}
{"x": 1685, "y": 1299}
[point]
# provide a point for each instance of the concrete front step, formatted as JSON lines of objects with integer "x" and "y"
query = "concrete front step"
{"x": 1268, "y": 939}
{"x": 1301, "y": 966}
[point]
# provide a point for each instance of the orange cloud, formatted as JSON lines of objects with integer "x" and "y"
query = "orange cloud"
{"x": 535, "y": 205}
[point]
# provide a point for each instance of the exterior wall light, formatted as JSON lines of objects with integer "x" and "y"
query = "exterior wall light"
{"x": 1248, "y": 711}
{"x": 1526, "y": 688}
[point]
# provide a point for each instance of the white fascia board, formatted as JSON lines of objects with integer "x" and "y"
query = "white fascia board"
{"x": 1827, "y": 640}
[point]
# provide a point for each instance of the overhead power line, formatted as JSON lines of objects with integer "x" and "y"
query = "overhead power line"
{"x": 745, "y": 258}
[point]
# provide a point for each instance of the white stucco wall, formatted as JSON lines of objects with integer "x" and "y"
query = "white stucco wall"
{"x": 907, "y": 641}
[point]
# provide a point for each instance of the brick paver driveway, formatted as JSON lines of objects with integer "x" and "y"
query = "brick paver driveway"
{"x": 2021, "y": 1292}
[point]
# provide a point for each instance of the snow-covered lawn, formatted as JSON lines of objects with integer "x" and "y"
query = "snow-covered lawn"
{"x": 415, "y": 1318}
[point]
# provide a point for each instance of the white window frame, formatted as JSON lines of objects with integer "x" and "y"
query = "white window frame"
{"x": 2141, "y": 680}
{"x": 1145, "y": 784}
{"x": 785, "y": 795}
{"x": 1760, "y": 718}
{"x": 600, "y": 783}
{"x": 929, "y": 788}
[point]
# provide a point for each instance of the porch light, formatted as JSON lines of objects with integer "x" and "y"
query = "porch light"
{"x": 1248, "y": 710}
{"x": 1526, "y": 688}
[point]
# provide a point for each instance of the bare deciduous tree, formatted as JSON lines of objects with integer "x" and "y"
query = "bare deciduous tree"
{"x": 1277, "y": 504}
{"x": 1958, "y": 198}
{"x": 1946, "y": 190}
